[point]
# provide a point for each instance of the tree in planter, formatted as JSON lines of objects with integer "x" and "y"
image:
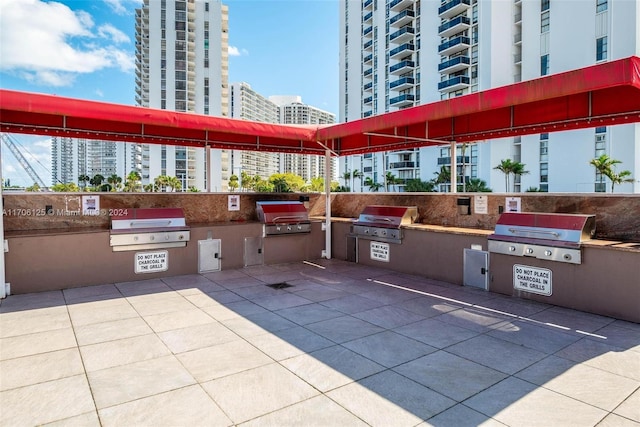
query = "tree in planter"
{"x": 96, "y": 181}
{"x": 132, "y": 182}
{"x": 114, "y": 182}
{"x": 82, "y": 180}
{"x": 605, "y": 167}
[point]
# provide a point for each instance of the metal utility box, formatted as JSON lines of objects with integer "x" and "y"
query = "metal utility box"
{"x": 209, "y": 255}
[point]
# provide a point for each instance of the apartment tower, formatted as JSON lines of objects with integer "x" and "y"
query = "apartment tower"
{"x": 396, "y": 54}
{"x": 182, "y": 65}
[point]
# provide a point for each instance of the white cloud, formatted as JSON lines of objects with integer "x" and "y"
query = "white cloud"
{"x": 49, "y": 44}
{"x": 99, "y": 92}
{"x": 234, "y": 51}
{"x": 117, "y": 6}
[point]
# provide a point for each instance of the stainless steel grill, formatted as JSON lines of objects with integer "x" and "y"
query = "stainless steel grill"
{"x": 383, "y": 223}
{"x": 554, "y": 237}
{"x": 283, "y": 217}
{"x": 148, "y": 228}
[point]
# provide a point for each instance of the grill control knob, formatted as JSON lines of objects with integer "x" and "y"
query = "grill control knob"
{"x": 152, "y": 237}
{"x": 547, "y": 252}
{"x": 512, "y": 248}
{"x": 180, "y": 237}
{"x": 529, "y": 250}
{"x": 135, "y": 238}
{"x": 567, "y": 257}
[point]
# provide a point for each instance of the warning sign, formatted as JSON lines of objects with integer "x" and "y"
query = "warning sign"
{"x": 532, "y": 279}
{"x": 380, "y": 251}
{"x": 151, "y": 262}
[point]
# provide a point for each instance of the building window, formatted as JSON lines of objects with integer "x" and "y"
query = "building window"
{"x": 601, "y": 5}
{"x": 544, "y": 150}
{"x": 601, "y": 48}
{"x": 206, "y": 7}
{"x": 544, "y": 22}
{"x": 544, "y": 5}
{"x": 544, "y": 65}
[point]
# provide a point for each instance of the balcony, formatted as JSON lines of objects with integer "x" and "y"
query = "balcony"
{"x": 459, "y": 160}
{"x": 454, "y": 26}
{"x": 453, "y": 8}
{"x": 368, "y": 86}
{"x": 367, "y": 58}
{"x": 367, "y": 4}
{"x": 454, "y": 65}
{"x": 402, "y": 100}
{"x": 404, "y": 17}
{"x": 397, "y": 5}
{"x": 367, "y": 17}
{"x": 367, "y": 113}
{"x": 517, "y": 38}
{"x": 403, "y": 49}
{"x": 368, "y": 100}
{"x": 402, "y": 67}
{"x": 454, "y": 83}
{"x": 403, "y": 35}
{"x": 454, "y": 45}
{"x": 367, "y": 31}
{"x": 368, "y": 72}
{"x": 368, "y": 45}
{"x": 402, "y": 84}
{"x": 402, "y": 165}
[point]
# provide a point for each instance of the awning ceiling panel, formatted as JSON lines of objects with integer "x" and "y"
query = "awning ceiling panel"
{"x": 601, "y": 95}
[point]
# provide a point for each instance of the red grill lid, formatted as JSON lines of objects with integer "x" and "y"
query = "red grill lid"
{"x": 274, "y": 212}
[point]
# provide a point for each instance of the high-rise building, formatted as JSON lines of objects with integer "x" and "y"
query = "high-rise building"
{"x": 396, "y": 54}
{"x": 182, "y": 65}
{"x": 293, "y": 112}
{"x": 247, "y": 104}
{"x": 73, "y": 157}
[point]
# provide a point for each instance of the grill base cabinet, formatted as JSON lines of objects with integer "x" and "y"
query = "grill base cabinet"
{"x": 209, "y": 255}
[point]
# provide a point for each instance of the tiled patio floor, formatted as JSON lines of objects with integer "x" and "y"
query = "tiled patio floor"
{"x": 344, "y": 345}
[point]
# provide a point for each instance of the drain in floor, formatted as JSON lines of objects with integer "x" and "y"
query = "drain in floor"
{"x": 282, "y": 285}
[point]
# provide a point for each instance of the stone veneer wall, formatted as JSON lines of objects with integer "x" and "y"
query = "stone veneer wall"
{"x": 617, "y": 216}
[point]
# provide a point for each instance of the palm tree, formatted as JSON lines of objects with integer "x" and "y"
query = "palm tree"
{"x": 82, "y": 180}
{"x": 518, "y": 170}
{"x": 161, "y": 183}
{"x": 346, "y": 176}
{"x": 96, "y": 181}
{"x": 604, "y": 166}
{"x": 620, "y": 178}
{"x": 389, "y": 179}
{"x": 476, "y": 185}
{"x": 355, "y": 174}
{"x": 233, "y": 182}
{"x": 245, "y": 181}
{"x": 150, "y": 188}
{"x": 443, "y": 176}
{"x": 508, "y": 167}
{"x": 373, "y": 186}
{"x": 114, "y": 181}
{"x": 174, "y": 183}
{"x": 133, "y": 181}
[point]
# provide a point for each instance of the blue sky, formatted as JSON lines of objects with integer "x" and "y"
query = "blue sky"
{"x": 85, "y": 49}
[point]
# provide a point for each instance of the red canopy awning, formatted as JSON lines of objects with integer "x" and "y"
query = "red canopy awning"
{"x": 601, "y": 95}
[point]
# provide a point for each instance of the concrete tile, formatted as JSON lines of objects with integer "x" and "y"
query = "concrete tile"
{"x": 516, "y": 402}
{"x": 38, "y": 368}
{"x": 101, "y": 311}
{"x": 624, "y": 338}
{"x": 320, "y": 293}
{"x": 266, "y": 389}
{"x": 533, "y": 336}
{"x": 213, "y": 298}
{"x": 126, "y": 383}
{"x": 389, "y": 399}
{"x": 613, "y": 420}
{"x": 143, "y": 287}
{"x": 188, "y": 406}
{"x": 168, "y": 304}
{"x": 331, "y": 367}
{"x": 278, "y": 276}
{"x": 191, "y": 283}
{"x": 258, "y": 291}
{"x": 195, "y": 337}
{"x": 244, "y": 308}
{"x": 283, "y": 300}
{"x": 383, "y": 348}
{"x": 39, "y": 342}
{"x": 91, "y": 293}
{"x": 461, "y": 416}
{"x": 114, "y": 330}
{"x": 427, "y": 306}
{"x": 237, "y": 283}
{"x": 33, "y": 301}
{"x": 514, "y": 306}
{"x": 257, "y": 324}
{"x": 388, "y": 316}
{"x": 435, "y": 333}
{"x": 225, "y": 275}
{"x": 352, "y": 304}
{"x": 450, "y": 375}
{"x": 217, "y": 361}
{"x": 318, "y": 411}
{"x": 46, "y": 402}
{"x": 309, "y": 313}
{"x": 630, "y": 408}
{"x": 88, "y": 419}
{"x": 602, "y": 356}
{"x": 33, "y": 321}
{"x": 178, "y": 319}
{"x": 572, "y": 319}
{"x": 289, "y": 343}
{"x": 472, "y": 318}
{"x": 584, "y": 383}
{"x": 345, "y": 328}
{"x": 388, "y": 295}
{"x": 498, "y": 354}
{"x": 122, "y": 352}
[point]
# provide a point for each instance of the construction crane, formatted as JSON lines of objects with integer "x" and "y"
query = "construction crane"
{"x": 22, "y": 160}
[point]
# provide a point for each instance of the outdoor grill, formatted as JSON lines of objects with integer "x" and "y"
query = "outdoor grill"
{"x": 547, "y": 236}
{"x": 383, "y": 222}
{"x": 148, "y": 228}
{"x": 283, "y": 217}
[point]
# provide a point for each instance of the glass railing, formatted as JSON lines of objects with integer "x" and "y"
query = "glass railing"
{"x": 368, "y": 100}
{"x": 406, "y": 12}
{"x": 368, "y": 72}
{"x": 450, "y": 5}
{"x": 368, "y": 86}
{"x": 401, "y": 31}
{"x": 367, "y": 31}
{"x": 454, "y": 81}
{"x": 368, "y": 44}
{"x": 401, "y": 165}
{"x": 401, "y": 65}
{"x": 455, "y": 61}
{"x": 454, "y": 42}
{"x": 402, "y": 98}
{"x": 368, "y": 57}
{"x": 452, "y": 23}
{"x": 367, "y": 3}
{"x": 402, "y": 47}
{"x": 367, "y": 17}
{"x": 402, "y": 81}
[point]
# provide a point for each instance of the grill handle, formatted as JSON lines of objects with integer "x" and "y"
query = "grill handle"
{"x": 534, "y": 231}
{"x": 150, "y": 223}
{"x": 285, "y": 218}
{"x": 377, "y": 219}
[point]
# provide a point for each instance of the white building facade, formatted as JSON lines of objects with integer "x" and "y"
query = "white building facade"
{"x": 182, "y": 65}
{"x": 396, "y": 54}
